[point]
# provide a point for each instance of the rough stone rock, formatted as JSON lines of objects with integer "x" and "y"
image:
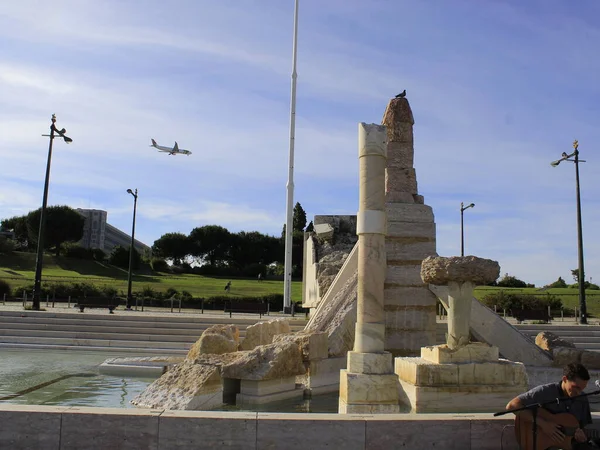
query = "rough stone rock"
{"x": 561, "y": 356}
{"x": 398, "y": 118}
{"x": 338, "y": 319}
{"x": 440, "y": 270}
{"x": 262, "y": 333}
{"x": 312, "y": 345}
{"x": 547, "y": 340}
{"x": 216, "y": 340}
{"x": 193, "y": 384}
{"x": 266, "y": 362}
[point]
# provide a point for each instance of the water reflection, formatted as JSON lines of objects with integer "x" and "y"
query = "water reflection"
{"x": 35, "y": 377}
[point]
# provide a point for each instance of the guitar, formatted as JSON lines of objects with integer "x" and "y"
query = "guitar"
{"x": 568, "y": 424}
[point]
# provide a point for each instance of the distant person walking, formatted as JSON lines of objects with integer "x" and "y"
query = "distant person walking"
{"x": 259, "y": 277}
{"x": 228, "y": 287}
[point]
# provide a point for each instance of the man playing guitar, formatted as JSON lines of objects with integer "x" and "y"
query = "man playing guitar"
{"x": 559, "y": 424}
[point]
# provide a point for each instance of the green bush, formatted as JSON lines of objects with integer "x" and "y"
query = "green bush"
{"x": 98, "y": 254}
{"x": 7, "y": 245}
{"x": 5, "y": 288}
{"x": 148, "y": 292}
{"x": 508, "y": 300}
{"x": 159, "y": 265}
{"x": 171, "y": 292}
{"x": 77, "y": 251}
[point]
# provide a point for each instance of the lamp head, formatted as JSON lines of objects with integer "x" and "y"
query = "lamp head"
{"x": 471, "y": 205}
{"x": 67, "y": 139}
{"x": 129, "y": 191}
{"x": 555, "y": 163}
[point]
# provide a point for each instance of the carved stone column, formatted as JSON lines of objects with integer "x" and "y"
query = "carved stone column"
{"x": 369, "y": 384}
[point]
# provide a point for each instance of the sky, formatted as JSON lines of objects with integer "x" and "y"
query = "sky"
{"x": 498, "y": 89}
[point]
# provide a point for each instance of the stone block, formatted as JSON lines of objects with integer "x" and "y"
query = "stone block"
{"x": 564, "y": 355}
{"x": 398, "y": 250}
{"x": 399, "y": 229}
{"x": 324, "y": 231}
{"x": 370, "y": 363}
{"x": 400, "y": 155}
{"x": 407, "y": 318}
{"x": 401, "y": 180}
{"x": 368, "y": 388}
{"x": 131, "y": 429}
{"x": 421, "y": 372}
{"x": 24, "y": 427}
{"x": 313, "y": 345}
{"x": 298, "y": 432}
{"x": 399, "y": 197}
{"x": 407, "y": 296}
{"x": 466, "y": 398}
{"x": 400, "y": 212}
{"x": 500, "y": 372}
{"x": 420, "y": 432}
{"x": 400, "y": 132}
{"x": 360, "y": 408}
{"x": 419, "y": 199}
{"x": 247, "y": 401}
{"x": 409, "y": 275}
{"x": 182, "y": 430}
{"x": 408, "y": 343}
{"x": 267, "y": 387}
{"x": 474, "y": 352}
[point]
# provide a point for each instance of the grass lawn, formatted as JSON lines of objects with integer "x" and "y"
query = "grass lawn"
{"x": 18, "y": 269}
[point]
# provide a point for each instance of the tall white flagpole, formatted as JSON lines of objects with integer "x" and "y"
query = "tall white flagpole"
{"x": 287, "y": 292}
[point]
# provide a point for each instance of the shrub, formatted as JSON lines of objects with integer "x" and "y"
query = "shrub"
{"x": 510, "y": 301}
{"x": 7, "y": 245}
{"x": 5, "y": 288}
{"x": 77, "y": 251}
{"x": 148, "y": 292}
{"x": 510, "y": 281}
{"x": 159, "y": 265}
{"x": 171, "y": 292}
{"x": 98, "y": 254}
{"x": 560, "y": 283}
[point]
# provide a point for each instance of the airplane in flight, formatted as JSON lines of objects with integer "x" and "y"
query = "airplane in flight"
{"x": 171, "y": 151}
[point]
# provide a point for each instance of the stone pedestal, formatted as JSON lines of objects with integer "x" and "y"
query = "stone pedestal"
{"x": 258, "y": 392}
{"x": 469, "y": 379}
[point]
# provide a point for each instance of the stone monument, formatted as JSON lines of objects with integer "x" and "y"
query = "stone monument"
{"x": 408, "y": 303}
{"x": 459, "y": 376}
{"x": 368, "y": 384}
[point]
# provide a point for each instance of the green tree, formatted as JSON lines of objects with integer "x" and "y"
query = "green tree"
{"x": 254, "y": 248}
{"x": 299, "y": 217}
{"x": 120, "y": 257}
{"x": 175, "y": 246}
{"x": 510, "y": 281}
{"x": 310, "y": 227}
{"x": 211, "y": 243}
{"x": 18, "y": 225}
{"x": 63, "y": 224}
{"x": 575, "y": 273}
{"x": 560, "y": 283}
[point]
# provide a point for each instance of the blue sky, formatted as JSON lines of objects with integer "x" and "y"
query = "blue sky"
{"x": 499, "y": 89}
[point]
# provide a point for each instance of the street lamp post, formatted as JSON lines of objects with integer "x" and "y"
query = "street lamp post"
{"x": 581, "y": 278}
{"x": 462, "y": 230}
{"x": 40, "y": 244}
{"x": 131, "y": 248}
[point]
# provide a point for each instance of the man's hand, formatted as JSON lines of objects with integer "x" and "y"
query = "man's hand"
{"x": 580, "y": 435}
{"x": 553, "y": 430}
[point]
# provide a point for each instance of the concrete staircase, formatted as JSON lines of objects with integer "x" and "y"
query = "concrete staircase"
{"x": 136, "y": 333}
{"x": 583, "y": 336}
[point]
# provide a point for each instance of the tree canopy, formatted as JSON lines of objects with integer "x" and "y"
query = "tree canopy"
{"x": 174, "y": 246}
{"x": 63, "y": 224}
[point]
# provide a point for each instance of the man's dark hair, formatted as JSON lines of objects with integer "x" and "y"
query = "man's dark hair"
{"x": 576, "y": 370}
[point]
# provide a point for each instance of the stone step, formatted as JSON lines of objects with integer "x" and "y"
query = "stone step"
{"x": 87, "y": 335}
{"x": 119, "y": 344}
{"x": 106, "y": 329}
{"x": 117, "y": 350}
{"x": 125, "y": 316}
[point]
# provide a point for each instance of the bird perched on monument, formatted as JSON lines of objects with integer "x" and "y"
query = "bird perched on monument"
{"x": 401, "y": 94}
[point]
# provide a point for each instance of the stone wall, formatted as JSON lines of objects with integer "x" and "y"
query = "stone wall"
{"x": 66, "y": 428}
